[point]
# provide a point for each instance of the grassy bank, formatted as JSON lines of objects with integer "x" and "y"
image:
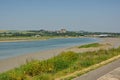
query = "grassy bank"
{"x": 61, "y": 65}
{"x": 90, "y": 45}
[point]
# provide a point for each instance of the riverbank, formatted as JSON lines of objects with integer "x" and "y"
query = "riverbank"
{"x": 106, "y": 43}
{"x": 11, "y": 63}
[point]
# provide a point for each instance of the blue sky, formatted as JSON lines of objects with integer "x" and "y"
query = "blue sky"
{"x": 88, "y": 15}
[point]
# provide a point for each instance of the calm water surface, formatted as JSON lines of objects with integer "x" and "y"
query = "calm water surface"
{"x": 11, "y": 49}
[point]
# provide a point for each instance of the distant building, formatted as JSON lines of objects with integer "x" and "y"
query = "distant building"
{"x": 103, "y": 35}
{"x": 62, "y": 31}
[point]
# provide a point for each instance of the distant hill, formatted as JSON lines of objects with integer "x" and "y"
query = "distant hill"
{"x": 1, "y": 31}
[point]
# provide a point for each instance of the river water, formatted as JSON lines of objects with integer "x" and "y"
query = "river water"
{"x": 12, "y": 49}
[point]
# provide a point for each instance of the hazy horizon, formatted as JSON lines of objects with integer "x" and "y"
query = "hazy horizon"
{"x": 73, "y": 15}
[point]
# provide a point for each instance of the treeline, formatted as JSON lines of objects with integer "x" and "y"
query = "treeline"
{"x": 16, "y": 34}
{"x": 40, "y": 33}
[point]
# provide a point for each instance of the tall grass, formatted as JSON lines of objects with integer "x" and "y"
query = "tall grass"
{"x": 64, "y": 63}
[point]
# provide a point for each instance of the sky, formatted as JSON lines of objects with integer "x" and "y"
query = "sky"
{"x": 88, "y": 15}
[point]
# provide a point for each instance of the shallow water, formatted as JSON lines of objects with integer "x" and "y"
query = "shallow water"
{"x": 11, "y": 49}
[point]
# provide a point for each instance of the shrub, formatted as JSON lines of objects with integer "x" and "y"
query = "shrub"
{"x": 38, "y": 67}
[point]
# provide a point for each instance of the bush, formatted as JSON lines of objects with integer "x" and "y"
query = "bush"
{"x": 38, "y": 67}
{"x": 64, "y": 60}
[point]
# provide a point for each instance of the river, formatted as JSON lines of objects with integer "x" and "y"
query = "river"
{"x": 12, "y": 49}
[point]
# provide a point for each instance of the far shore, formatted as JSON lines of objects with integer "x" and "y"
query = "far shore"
{"x": 21, "y": 40}
{"x": 34, "y": 39}
{"x": 10, "y": 63}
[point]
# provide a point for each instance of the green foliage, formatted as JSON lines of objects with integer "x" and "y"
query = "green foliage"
{"x": 64, "y": 60}
{"x": 37, "y": 67}
{"x": 43, "y": 77}
{"x": 5, "y": 76}
{"x": 90, "y": 45}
